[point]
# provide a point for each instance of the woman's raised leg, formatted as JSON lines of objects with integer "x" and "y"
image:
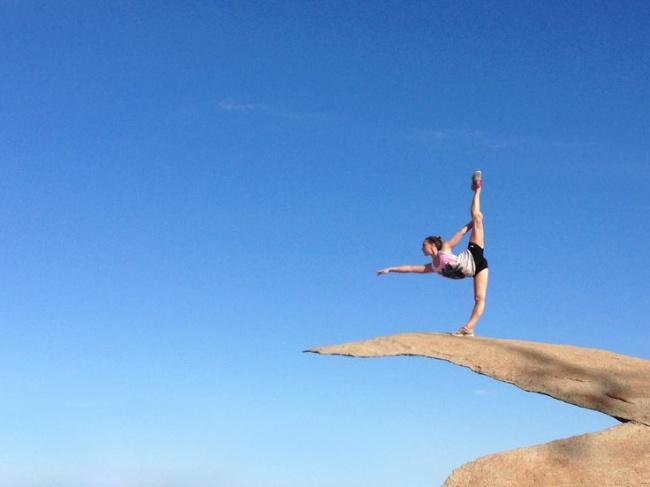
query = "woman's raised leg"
{"x": 478, "y": 234}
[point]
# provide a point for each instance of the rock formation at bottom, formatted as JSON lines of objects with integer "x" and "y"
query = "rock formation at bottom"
{"x": 614, "y": 384}
{"x": 616, "y": 457}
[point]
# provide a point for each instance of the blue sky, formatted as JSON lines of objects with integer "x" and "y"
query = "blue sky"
{"x": 193, "y": 193}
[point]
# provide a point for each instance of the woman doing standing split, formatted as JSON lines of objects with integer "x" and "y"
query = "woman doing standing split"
{"x": 469, "y": 263}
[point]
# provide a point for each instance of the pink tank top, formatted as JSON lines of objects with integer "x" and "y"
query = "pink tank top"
{"x": 444, "y": 259}
{"x": 455, "y": 266}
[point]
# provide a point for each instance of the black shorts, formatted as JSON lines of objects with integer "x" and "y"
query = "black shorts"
{"x": 479, "y": 261}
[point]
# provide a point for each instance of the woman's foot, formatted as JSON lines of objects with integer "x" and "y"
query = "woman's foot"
{"x": 477, "y": 180}
{"x": 463, "y": 332}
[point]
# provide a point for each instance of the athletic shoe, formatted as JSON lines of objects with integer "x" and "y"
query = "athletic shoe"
{"x": 477, "y": 180}
{"x": 463, "y": 332}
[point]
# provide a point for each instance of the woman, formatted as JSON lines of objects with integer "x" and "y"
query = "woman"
{"x": 469, "y": 263}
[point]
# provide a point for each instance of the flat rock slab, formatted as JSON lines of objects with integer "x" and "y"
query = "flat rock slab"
{"x": 617, "y": 385}
{"x": 614, "y": 457}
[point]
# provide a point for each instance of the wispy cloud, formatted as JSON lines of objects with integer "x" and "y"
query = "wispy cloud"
{"x": 449, "y": 138}
{"x": 240, "y": 107}
{"x": 480, "y": 392}
{"x": 231, "y": 106}
{"x": 445, "y": 139}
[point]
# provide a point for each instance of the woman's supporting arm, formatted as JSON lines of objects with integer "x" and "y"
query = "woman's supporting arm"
{"x": 453, "y": 241}
{"x": 419, "y": 269}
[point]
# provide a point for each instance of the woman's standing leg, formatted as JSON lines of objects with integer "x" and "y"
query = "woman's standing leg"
{"x": 480, "y": 290}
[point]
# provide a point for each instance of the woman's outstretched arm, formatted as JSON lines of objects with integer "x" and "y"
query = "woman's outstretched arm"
{"x": 453, "y": 241}
{"x": 419, "y": 269}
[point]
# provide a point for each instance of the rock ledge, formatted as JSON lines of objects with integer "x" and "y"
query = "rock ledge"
{"x": 613, "y": 384}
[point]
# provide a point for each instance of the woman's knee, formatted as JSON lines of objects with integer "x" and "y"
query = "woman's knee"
{"x": 477, "y": 217}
